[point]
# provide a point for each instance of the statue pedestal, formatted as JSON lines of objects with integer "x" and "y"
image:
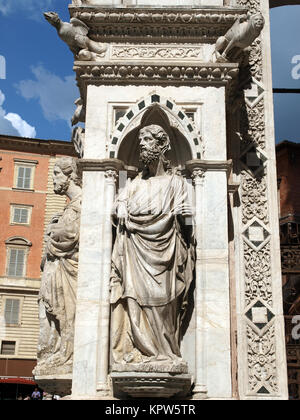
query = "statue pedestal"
{"x": 55, "y": 384}
{"x": 149, "y": 385}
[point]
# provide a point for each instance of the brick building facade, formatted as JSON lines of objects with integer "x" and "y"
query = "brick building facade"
{"x": 288, "y": 173}
{"x": 26, "y": 206}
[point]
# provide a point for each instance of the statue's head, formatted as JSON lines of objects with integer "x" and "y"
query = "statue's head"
{"x": 154, "y": 142}
{"x": 65, "y": 171}
{"x": 52, "y": 18}
{"x": 258, "y": 21}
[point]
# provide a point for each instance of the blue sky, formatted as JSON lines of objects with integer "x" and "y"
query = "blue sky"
{"x": 285, "y": 35}
{"x": 37, "y": 97}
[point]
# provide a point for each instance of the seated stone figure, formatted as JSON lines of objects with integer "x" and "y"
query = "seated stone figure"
{"x": 57, "y": 298}
{"x": 152, "y": 262}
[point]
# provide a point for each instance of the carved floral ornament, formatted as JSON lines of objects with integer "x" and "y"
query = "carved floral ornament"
{"x": 156, "y": 73}
{"x": 148, "y": 23}
{"x": 154, "y": 51}
{"x": 127, "y": 15}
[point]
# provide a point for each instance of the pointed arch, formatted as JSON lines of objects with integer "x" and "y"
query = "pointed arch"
{"x": 159, "y": 110}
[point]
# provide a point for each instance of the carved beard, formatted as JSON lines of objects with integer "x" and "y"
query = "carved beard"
{"x": 61, "y": 189}
{"x": 148, "y": 156}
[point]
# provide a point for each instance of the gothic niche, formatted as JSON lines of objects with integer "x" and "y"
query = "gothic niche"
{"x": 153, "y": 262}
{"x": 180, "y": 151}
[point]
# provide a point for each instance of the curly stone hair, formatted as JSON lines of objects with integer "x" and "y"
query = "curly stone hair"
{"x": 160, "y": 135}
{"x": 163, "y": 142}
{"x": 69, "y": 167}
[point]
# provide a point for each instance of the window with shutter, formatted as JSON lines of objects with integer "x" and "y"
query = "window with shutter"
{"x": 12, "y": 311}
{"x": 20, "y": 215}
{"x": 8, "y": 347}
{"x": 24, "y": 177}
{"x": 16, "y": 262}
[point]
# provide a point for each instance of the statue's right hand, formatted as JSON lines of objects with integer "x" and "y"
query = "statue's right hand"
{"x": 122, "y": 213}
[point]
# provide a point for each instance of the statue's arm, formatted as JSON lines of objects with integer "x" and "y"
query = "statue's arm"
{"x": 120, "y": 211}
{"x": 64, "y": 235}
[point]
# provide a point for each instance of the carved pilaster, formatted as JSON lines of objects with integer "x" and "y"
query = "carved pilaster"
{"x": 262, "y": 369}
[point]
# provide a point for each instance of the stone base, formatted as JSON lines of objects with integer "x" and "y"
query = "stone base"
{"x": 176, "y": 367}
{"x": 55, "y": 384}
{"x": 150, "y": 385}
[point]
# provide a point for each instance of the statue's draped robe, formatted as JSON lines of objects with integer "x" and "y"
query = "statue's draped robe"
{"x": 58, "y": 286}
{"x": 152, "y": 270}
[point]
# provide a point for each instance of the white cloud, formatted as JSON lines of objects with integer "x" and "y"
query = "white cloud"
{"x": 12, "y": 124}
{"x": 34, "y": 8}
{"x": 20, "y": 125}
{"x": 56, "y": 95}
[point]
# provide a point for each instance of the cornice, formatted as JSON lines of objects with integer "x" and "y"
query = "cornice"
{"x": 209, "y": 165}
{"x": 157, "y": 24}
{"x": 101, "y": 165}
{"x": 27, "y": 145}
{"x": 179, "y": 74}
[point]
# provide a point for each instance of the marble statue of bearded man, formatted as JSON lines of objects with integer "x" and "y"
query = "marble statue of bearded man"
{"x": 57, "y": 298}
{"x": 152, "y": 261}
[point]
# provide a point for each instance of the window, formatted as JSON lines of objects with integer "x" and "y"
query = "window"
{"x": 17, "y": 251}
{"x": 24, "y": 174}
{"x": 194, "y": 113}
{"x": 119, "y": 113}
{"x": 20, "y": 215}
{"x": 16, "y": 262}
{"x": 191, "y": 115}
{"x": 24, "y": 177}
{"x": 12, "y": 311}
{"x": 8, "y": 348}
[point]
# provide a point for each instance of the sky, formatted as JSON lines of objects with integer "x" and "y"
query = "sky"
{"x": 38, "y": 92}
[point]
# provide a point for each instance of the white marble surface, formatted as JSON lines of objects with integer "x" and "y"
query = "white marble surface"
{"x": 102, "y": 99}
{"x": 150, "y": 2}
{"x": 87, "y": 333}
{"x": 213, "y": 256}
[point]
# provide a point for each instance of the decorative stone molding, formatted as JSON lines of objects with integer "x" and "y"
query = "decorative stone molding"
{"x": 115, "y": 24}
{"x": 145, "y": 385}
{"x": 156, "y": 73}
{"x": 199, "y": 167}
{"x": 101, "y": 165}
{"x": 162, "y": 51}
{"x": 19, "y": 241}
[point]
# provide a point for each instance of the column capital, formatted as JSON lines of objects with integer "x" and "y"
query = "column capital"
{"x": 111, "y": 176}
{"x": 198, "y": 176}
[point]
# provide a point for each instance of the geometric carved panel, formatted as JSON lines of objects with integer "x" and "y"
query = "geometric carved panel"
{"x": 259, "y": 315}
{"x": 256, "y": 234}
{"x": 253, "y": 160}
